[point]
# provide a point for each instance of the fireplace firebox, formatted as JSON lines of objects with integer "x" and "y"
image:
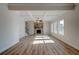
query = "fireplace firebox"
{"x": 38, "y": 31}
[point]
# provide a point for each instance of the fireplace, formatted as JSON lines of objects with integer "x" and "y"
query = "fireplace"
{"x": 38, "y": 31}
{"x": 38, "y": 27}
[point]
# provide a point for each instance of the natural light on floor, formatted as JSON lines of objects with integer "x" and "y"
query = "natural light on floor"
{"x": 42, "y": 39}
{"x": 38, "y": 42}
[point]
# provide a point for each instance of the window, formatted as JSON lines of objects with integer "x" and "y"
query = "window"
{"x": 61, "y": 27}
{"x": 55, "y": 27}
{"x": 58, "y": 27}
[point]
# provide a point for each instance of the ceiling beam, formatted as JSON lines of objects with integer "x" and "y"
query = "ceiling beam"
{"x": 41, "y": 6}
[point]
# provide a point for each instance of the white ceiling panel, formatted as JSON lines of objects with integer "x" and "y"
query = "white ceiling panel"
{"x": 44, "y": 15}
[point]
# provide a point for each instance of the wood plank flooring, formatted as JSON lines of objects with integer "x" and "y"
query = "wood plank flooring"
{"x": 40, "y": 45}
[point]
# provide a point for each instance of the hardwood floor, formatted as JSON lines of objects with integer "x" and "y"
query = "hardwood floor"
{"x": 40, "y": 45}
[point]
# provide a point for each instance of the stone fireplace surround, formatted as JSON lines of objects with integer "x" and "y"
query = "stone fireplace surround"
{"x": 38, "y": 27}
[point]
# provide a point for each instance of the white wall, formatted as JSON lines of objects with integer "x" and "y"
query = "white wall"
{"x": 8, "y": 28}
{"x": 21, "y": 28}
{"x": 46, "y": 27}
{"x": 71, "y": 29}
